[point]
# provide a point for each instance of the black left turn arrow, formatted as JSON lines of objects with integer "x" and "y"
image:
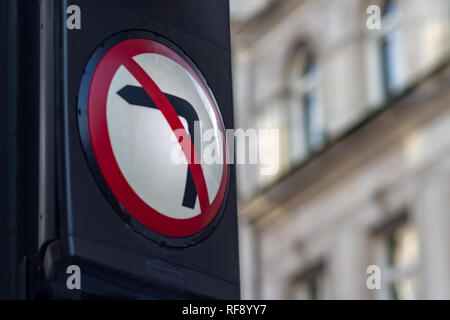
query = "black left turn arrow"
{"x": 138, "y": 96}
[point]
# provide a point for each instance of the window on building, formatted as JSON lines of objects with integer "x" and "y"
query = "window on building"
{"x": 313, "y": 118}
{"x": 397, "y": 254}
{"x": 309, "y": 284}
{"x": 307, "y": 133}
{"x": 391, "y": 49}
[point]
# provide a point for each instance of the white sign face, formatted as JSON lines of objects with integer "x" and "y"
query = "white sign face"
{"x": 154, "y": 127}
{"x": 144, "y": 144}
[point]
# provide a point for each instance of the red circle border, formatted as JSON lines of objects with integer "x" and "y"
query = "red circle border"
{"x": 101, "y": 143}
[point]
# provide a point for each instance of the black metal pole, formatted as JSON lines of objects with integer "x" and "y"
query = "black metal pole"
{"x": 19, "y": 28}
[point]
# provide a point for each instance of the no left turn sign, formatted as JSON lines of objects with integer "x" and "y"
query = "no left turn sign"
{"x": 137, "y": 92}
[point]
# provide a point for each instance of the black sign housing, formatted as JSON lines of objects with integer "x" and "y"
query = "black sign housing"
{"x": 78, "y": 224}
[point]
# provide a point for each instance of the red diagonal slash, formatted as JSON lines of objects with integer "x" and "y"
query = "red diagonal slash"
{"x": 160, "y": 99}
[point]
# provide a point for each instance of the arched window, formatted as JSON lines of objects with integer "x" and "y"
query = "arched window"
{"x": 307, "y": 120}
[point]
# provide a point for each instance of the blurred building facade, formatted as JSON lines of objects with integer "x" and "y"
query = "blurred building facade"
{"x": 364, "y": 156}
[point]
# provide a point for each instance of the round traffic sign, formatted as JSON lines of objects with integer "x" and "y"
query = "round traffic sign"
{"x": 144, "y": 108}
